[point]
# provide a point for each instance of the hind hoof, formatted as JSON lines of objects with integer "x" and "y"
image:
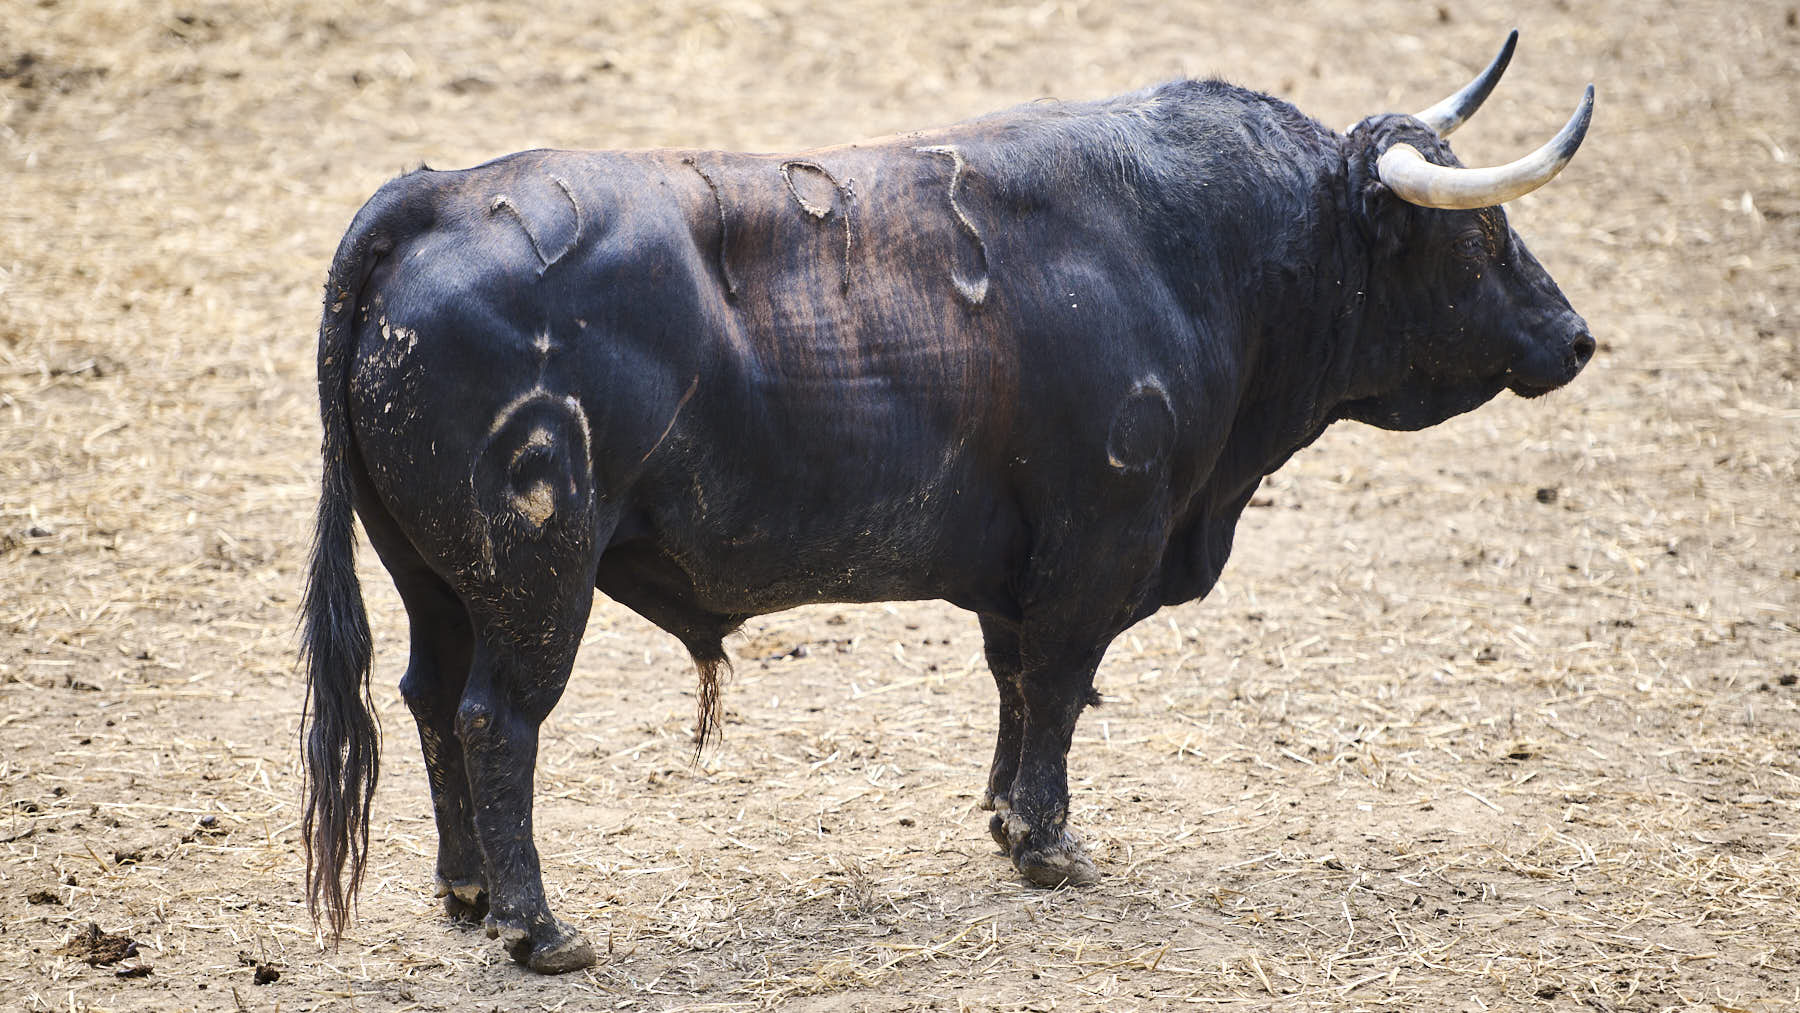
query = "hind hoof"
{"x": 1062, "y": 864}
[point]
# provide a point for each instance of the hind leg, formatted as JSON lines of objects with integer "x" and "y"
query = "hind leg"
{"x": 512, "y": 687}
{"x": 432, "y": 688}
{"x": 526, "y": 579}
{"x": 527, "y": 619}
{"x": 436, "y": 672}
{"x": 527, "y": 612}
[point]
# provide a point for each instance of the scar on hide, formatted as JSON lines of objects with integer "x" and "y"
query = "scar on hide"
{"x": 502, "y": 202}
{"x": 975, "y": 290}
{"x": 693, "y": 386}
{"x": 847, "y": 188}
{"x": 1142, "y": 432}
{"x": 719, "y": 203}
{"x": 539, "y": 438}
{"x": 536, "y": 503}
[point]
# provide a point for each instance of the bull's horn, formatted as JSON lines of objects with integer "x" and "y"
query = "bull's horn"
{"x": 1416, "y": 181}
{"x": 1455, "y": 110}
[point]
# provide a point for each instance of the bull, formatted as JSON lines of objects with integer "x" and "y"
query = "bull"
{"x": 1034, "y": 364}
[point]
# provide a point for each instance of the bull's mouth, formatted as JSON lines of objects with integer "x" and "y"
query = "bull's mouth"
{"x": 1535, "y": 384}
{"x": 1529, "y": 387}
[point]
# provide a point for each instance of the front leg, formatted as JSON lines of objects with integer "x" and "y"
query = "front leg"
{"x": 1056, "y": 683}
{"x": 1090, "y": 577}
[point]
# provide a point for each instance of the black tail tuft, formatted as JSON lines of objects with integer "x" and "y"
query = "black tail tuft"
{"x": 711, "y": 664}
{"x": 343, "y": 748}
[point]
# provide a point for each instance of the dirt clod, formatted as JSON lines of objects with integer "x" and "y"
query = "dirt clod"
{"x": 265, "y": 973}
{"x": 98, "y": 948}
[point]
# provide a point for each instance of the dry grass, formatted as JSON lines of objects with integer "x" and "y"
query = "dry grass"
{"x": 1499, "y": 716}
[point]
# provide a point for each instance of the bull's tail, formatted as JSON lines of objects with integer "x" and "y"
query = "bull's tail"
{"x": 342, "y": 741}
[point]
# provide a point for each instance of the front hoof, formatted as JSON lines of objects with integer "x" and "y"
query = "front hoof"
{"x": 562, "y": 950}
{"x": 554, "y": 948}
{"x": 1064, "y": 861}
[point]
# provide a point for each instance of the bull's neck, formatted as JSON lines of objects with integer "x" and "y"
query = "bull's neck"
{"x": 1307, "y": 352}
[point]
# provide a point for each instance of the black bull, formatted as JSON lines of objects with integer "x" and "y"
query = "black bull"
{"x": 1034, "y": 365}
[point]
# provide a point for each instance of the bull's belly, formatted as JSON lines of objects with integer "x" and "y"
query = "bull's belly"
{"x": 757, "y": 561}
{"x": 739, "y": 583}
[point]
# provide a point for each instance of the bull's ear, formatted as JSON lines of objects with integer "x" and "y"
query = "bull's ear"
{"x": 1383, "y": 218}
{"x": 1386, "y": 219}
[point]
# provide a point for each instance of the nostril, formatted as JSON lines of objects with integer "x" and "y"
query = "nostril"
{"x": 1583, "y": 347}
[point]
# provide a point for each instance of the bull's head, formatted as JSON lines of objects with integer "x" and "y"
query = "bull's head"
{"x": 1471, "y": 310}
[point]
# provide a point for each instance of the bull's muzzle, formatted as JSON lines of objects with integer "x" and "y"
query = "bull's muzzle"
{"x": 1553, "y": 364}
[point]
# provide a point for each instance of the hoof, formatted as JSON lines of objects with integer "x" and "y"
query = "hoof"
{"x": 1063, "y": 861}
{"x": 995, "y": 803}
{"x": 465, "y": 900}
{"x": 554, "y": 948}
{"x": 562, "y": 950}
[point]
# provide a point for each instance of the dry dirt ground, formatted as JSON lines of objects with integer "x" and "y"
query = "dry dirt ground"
{"x": 1499, "y": 715}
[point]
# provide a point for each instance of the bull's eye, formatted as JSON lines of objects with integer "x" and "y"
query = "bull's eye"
{"x": 1472, "y": 249}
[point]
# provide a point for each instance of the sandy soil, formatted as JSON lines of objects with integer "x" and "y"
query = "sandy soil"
{"x": 1499, "y": 715}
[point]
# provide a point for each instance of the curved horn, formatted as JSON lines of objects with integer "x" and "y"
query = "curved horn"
{"x": 1455, "y": 110}
{"x": 1416, "y": 181}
